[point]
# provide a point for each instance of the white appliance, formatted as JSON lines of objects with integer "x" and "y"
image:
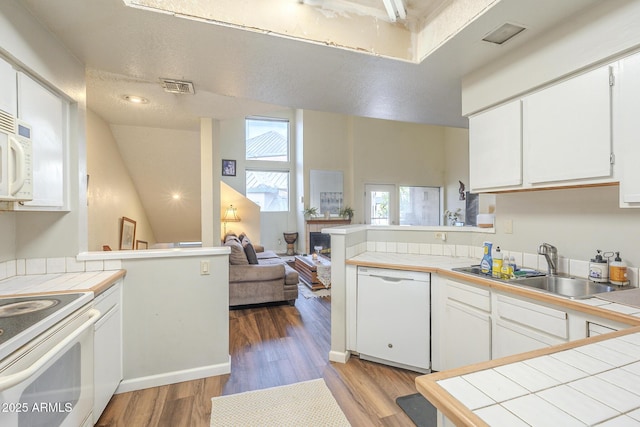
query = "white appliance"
{"x": 16, "y": 159}
{"x": 46, "y": 360}
{"x": 394, "y": 317}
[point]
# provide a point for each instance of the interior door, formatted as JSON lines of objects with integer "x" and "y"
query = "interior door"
{"x": 380, "y": 201}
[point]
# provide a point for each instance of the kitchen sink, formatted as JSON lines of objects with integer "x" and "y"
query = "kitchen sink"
{"x": 566, "y": 286}
{"x": 570, "y": 287}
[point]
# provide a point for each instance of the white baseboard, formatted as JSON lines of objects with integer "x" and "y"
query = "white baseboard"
{"x": 339, "y": 356}
{"x": 140, "y": 383}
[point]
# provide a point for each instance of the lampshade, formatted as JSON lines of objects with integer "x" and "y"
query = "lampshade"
{"x": 230, "y": 215}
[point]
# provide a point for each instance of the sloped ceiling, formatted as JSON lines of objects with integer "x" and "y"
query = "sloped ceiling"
{"x": 241, "y": 71}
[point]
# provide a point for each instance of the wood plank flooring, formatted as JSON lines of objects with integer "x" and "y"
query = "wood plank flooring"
{"x": 271, "y": 346}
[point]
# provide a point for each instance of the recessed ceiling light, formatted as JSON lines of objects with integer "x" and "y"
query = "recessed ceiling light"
{"x": 135, "y": 99}
{"x": 176, "y": 196}
{"x": 503, "y": 33}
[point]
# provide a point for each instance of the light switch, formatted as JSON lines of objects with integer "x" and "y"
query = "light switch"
{"x": 508, "y": 226}
{"x": 204, "y": 268}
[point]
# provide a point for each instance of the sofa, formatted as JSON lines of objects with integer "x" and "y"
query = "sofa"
{"x": 258, "y": 277}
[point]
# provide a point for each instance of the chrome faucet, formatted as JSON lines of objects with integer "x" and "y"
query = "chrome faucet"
{"x": 550, "y": 253}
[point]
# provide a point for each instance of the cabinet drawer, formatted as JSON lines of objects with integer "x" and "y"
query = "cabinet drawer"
{"x": 469, "y": 295}
{"x": 108, "y": 299}
{"x": 534, "y": 316}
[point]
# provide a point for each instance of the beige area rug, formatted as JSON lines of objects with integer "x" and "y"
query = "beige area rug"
{"x": 308, "y": 403}
{"x": 306, "y": 292}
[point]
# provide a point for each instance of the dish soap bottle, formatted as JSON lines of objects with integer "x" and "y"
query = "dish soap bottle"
{"x": 487, "y": 262}
{"x": 496, "y": 269}
{"x": 618, "y": 271}
{"x": 599, "y": 268}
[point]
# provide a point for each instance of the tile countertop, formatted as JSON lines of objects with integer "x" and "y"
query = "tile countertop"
{"x": 96, "y": 282}
{"x": 442, "y": 265}
{"x": 593, "y": 381}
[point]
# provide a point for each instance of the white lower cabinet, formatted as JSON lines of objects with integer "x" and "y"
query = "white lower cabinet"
{"x": 393, "y": 317}
{"x": 107, "y": 348}
{"x": 466, "y": 337}
{"x": 524, "y": 326}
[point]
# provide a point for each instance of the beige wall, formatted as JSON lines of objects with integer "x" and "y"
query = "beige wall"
{"x": 111, "y": 194}
{"x": 576, "y": 221}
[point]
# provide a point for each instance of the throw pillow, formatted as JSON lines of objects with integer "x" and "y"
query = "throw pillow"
{"x": 237, "y": 255}
{"x": 230, "y": 236}
{"x": 250, "y": 251}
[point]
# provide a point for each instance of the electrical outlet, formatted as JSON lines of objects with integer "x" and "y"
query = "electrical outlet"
{"x": 204, "y": 268}
{"x": 441, "y": 235}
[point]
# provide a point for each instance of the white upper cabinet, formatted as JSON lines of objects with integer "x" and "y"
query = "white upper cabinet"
{"x": 627, "y": 130}
{"x": 47, "y": 115}
{"x": 495, "y": 147}
{"x": 7, "y": 88}
{"x": 567, "y": 130}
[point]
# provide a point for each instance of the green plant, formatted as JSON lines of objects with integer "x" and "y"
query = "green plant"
{"x": 452, "y": 216}
{"x": 346, "y": 212}
{"x": 310, "y": 212}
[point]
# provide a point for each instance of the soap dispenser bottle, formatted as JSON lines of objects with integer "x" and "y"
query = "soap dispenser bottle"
{"x": 496, "y": 269}
{"x": 487, "y": 263}
{"x": 618, "y": 271}
{"x": 599, "y": 268}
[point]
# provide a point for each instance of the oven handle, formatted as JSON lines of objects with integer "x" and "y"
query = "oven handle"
{"x": 18, "y": 377}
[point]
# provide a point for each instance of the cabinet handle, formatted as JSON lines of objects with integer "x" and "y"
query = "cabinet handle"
{"x": 390, "y": 345}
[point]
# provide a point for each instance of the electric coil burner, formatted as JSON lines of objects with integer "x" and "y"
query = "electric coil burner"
{"x": 24, "y": 318}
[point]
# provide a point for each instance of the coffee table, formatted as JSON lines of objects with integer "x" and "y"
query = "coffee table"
{"x": 315, "y": 273}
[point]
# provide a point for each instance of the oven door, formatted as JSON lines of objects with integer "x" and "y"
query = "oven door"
{"x": 49, "y": 381}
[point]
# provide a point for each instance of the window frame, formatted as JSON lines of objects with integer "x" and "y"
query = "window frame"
{"x": 275, "y": 166}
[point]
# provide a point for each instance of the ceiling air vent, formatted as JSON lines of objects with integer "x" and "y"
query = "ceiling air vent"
{"x": 177, "y": 86}
{"x": 503, "y": 33}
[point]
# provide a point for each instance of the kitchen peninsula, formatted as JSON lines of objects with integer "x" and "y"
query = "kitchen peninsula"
{"x": 523, "y": 326}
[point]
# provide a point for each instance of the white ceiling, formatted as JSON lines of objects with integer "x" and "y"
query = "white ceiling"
{"x": 238, "y": 72}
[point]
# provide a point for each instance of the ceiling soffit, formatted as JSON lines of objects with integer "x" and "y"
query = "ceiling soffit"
{"x": 358, "y": 25}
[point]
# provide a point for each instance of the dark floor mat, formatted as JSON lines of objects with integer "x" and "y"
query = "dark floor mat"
{"x": 419, "y": 409}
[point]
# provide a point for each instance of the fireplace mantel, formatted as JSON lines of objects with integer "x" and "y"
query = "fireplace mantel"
{"x": 317, "y": 224}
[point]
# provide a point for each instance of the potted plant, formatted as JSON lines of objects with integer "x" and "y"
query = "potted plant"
{"x": 346, "y": 213}
{"x": 310, "y": 212}
{"x": 452, "y": 216}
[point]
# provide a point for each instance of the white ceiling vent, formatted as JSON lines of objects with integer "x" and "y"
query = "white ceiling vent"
{"x": 177, "y": 86}
{"x": 503, "y": 33}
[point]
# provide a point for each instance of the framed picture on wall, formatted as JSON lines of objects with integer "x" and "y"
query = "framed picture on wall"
{"x": 127, "y": 233}
{"x": 141, "y": 244}
{"x": 228, "y": 167}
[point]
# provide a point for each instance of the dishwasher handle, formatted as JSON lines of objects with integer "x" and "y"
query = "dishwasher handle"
{"x": 391, "y": 279}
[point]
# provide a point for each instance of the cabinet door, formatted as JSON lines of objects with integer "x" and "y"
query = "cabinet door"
{"x": 466, "y": 335}
{"x": 567, "y": 130}
{"x": 107, "y": 344}
{"x": 46, "y": 113}
{"x": 393, "y": 320}
{"x": 495, "y": 147}
{"x": 7, "y": 88}
{"x": 627, "y": 135}
{"x": 511, "y": 338}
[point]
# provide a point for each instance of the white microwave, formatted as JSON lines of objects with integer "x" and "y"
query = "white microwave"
{"x": 16, "y": 160}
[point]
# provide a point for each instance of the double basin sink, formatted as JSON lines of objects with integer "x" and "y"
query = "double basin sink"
{"x": 566, "y": 286}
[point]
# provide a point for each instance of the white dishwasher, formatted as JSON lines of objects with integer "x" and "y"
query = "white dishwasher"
{"x": 393, "y": 320}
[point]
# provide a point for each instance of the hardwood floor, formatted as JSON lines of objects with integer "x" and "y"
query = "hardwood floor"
{"x": 271, "y": 346}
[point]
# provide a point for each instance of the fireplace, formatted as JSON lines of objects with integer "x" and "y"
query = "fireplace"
{"x": 320, "y": 239}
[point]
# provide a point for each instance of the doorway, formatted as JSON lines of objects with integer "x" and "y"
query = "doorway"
{"x": 379, "y": 204}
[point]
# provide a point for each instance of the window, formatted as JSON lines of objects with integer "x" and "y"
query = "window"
{"x": 388, "y": 204}
{"x": 267, "y": 139}
{"x": 268, "y": 166}
{"x": 269, "y": 190}
{"x": 419, "y": 206}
